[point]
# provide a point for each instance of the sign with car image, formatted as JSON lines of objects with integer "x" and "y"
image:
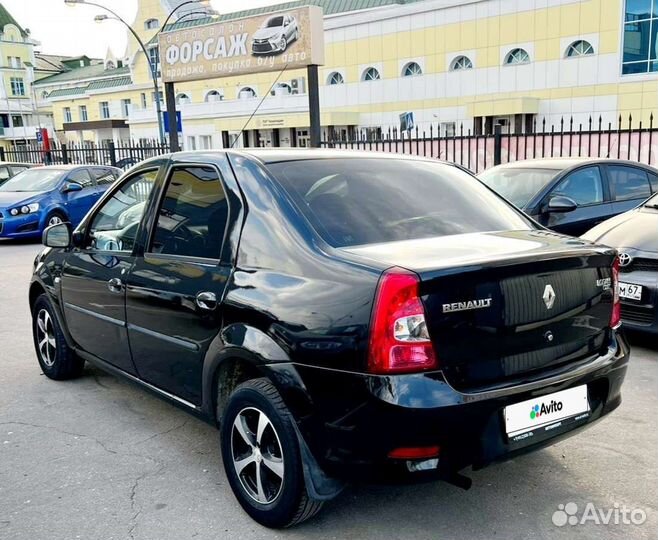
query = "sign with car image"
{"x": 291, "y": 39}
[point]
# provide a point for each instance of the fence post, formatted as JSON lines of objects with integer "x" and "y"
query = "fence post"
{"x": 113, "y": 153}
{"x": 65, "y": 154}
{"x": 2, "y": 154}
{"x": 498, "y": 145}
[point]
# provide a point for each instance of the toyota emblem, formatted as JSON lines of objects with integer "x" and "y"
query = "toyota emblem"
{"x": 625, "y": 259}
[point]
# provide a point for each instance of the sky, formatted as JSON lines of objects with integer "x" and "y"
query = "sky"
{"x": 72, "y": 31}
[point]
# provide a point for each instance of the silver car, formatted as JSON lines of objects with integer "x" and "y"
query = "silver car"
{"x": 275, "y": 34}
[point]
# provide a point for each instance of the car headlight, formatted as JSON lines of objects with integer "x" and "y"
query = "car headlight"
{"x": 26, "y": 209}
{"x": 14, "y": 211}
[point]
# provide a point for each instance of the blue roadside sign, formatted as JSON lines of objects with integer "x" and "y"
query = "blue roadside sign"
{"x": 179, "y": 121}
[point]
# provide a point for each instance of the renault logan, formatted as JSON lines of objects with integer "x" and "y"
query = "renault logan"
{"x": 333, "y": 313}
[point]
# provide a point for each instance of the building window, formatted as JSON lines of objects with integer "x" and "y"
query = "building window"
{"x": 461, "y": 63}
{"x": 17, "y": 86}
{"x": 17, "y": 120}
{"x": 67, "y": 115}
{"x": 370, "y": 74}
{"x": 282, "y": 89}
{"x": 247, "y": 93}
{"x": 154, "y": 60}
{"x": 110, "y": 65}
{"x": 205, "y": 142}
{"x": 580, "y": 48}
{"x": 516, "y": 57}
{"x": 182, "y": 98}
{"x": 151, "y": 24}
{"x": 143, "y": 98}
{"x": 335, "y": 78}
{"x": 14, "y": 62}
{"x": 125, "y": 107}
{"x": 105, "y": 109}
{"x": 640, "y": 53}
{"x": 83, "y": 113}
{"x": 214, "y": 95}
{"x": 412, "y": 69}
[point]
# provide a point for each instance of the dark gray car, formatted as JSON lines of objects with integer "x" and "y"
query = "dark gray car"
{"x": 635, "y": 235}
{"x": 573, "y": 195}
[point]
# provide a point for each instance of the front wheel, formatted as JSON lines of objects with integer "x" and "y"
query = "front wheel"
{"x": 55, "y": 357}
{"x": 283, "y": 44}
{"x": 55, "y": 219}
{"x": 262, "y": 458}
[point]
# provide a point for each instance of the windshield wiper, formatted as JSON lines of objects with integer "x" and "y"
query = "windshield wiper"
{"x": 654, "y": 206}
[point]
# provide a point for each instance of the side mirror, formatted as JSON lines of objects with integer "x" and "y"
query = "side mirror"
{"x": 561, "y": 204}
{"x": 57, "y": 236}
{"x": 71, "y": 187}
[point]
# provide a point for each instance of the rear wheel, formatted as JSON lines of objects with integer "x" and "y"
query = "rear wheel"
{"x": 55, "y": 357}
{"x": 262, "y": 458}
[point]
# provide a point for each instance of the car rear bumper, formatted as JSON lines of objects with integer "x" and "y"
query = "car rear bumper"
{"x": 374, "y": 415}
{"x": 641, "y": 315}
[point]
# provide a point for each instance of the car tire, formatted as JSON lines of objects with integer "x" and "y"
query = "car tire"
{"x": 55, "y": 218}
{"x": 57, "y": 360}
{"x": 252, "y": 453}
{"x": 283, "y": 44}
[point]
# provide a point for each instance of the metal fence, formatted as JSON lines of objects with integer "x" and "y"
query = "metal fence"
{"x": 117, "y": 154}
{"x": 636, "y": 142}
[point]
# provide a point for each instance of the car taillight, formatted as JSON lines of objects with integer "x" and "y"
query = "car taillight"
{"x": 399, "y": 340}
{"x": 615, "y": 318}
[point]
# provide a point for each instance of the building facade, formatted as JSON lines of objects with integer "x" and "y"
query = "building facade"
{"x": 468, "y": 64}
{"x": 20, "y": 115}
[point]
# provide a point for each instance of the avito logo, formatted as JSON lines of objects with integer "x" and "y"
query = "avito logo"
{"x": 538, "y": 410}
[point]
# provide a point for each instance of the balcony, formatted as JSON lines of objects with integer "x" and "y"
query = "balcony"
{"x": 23, "y": 132}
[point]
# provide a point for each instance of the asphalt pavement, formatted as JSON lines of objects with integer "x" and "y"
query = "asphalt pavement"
{"x": 98, "y": 458}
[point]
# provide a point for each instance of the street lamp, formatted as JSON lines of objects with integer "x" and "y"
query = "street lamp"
{"x": 154, "y": 75}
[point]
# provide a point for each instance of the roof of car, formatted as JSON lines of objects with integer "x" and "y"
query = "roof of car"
{"x": 18, "y": 163}
{"x": 277, "y": 155}
{"x": 563, "y": 163}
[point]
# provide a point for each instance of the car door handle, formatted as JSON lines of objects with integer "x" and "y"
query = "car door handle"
{"x": 206, "y": 301}
{"x": 115, "y": 285}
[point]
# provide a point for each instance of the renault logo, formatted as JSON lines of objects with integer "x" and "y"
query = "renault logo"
{"x": 625, "y": 259}
{"x": 549, "y": 296}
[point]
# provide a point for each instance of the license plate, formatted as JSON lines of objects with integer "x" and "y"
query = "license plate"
{"x": 630, "y": 291}
{"x": 547, "y": 412}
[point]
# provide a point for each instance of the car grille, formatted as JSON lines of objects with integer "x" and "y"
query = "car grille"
{"x": 265, "y": 46}
{"x": 641, "y": 264}
{"x": 637, "y": 314}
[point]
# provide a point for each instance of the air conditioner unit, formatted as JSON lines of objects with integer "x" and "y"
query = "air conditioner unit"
{"x": 298, "y": 85}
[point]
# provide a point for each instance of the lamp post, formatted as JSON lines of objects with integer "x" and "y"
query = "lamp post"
{"x": 154, "y": 75}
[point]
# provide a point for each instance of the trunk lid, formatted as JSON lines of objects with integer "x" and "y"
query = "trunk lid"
{"x": 507, "y": 306}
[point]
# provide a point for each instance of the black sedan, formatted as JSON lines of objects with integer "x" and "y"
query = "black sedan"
{"x": 334, "y": 312}
{"x": 635, "y": 234}
{"x": 573, "y": 195}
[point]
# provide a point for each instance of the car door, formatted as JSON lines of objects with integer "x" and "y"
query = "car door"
{"x": 174, "y": 292}
{"x": 629, "y": 186}
{"x": 5, "y": 174}
{"x": 93, "y": 275}
{"x": 104, "y": 177}
{"x": 586, "y": 187}
{"x": 78, "y": 202}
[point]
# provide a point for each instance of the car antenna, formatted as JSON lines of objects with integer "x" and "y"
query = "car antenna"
{"x": 258, "y": 106}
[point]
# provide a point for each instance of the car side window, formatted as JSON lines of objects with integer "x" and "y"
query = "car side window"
{"x": 193, "y": 214}
{"x": 82, "y": 177}
{"x": 628, "y": 183}
{"x": 104, "y": 176}
{"x": 115, "y": 224}
{"x": 584, "y": 186}
{"x": 653, "y": 179}
{"x": 4, "y": 174}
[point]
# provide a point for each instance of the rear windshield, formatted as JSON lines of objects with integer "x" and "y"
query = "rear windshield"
{"x": 367, "y": 201}
{"x": 518, "y": 186}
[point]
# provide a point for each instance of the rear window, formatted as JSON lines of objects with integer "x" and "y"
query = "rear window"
{"x": 517, "y": 185}
{"x": 366, "y": 201}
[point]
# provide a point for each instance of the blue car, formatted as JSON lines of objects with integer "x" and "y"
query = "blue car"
{"x": 43, "y": 196}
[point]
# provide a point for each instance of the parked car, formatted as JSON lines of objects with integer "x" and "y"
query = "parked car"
{"x": 573, "y": 195}
{"x": 334, "y": 312}
{"x": 43, "y": 196}
{"x": 635, "y": 235}
{"x": 10, "y": 169}
{"x": 275, "y": 34}
{"x": 126, "y": 163}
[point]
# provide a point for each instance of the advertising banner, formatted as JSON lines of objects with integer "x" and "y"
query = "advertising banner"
{"x": 269, "y": 42}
